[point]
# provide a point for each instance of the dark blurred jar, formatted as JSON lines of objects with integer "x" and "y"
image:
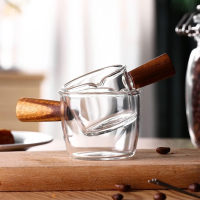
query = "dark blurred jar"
{"x": 193, "y": 95}
{"x": 190, "y": 26}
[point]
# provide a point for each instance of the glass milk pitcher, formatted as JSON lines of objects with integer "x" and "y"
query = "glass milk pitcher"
{"x": 190, "y": 26}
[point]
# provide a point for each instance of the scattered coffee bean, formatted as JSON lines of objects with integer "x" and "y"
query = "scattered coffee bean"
{"x": 194, "y": 187}
{"x": 163, "y": 150}
{"x": 159, "y": 196}
{"x": 117, "y": 197}
{"x": 123, "y": 188}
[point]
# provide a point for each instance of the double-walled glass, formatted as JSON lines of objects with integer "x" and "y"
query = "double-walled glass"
{"x": 104, "y": 115}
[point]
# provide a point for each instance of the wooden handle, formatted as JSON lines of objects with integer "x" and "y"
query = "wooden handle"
{"x": 153, "y": 71}
{"x": 38, "y": 110}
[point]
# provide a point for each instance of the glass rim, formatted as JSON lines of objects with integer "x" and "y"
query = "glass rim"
{"x": 62, "y": 92}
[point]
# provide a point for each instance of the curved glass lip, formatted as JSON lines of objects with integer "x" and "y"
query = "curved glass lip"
{"x": 101, "y": 69}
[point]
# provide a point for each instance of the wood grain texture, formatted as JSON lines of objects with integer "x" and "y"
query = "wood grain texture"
{"x": 38, "y": 110}
{"x": 91, "y": 195}
{"x": 153, "y": 71}
{"x": 55, "y": 171}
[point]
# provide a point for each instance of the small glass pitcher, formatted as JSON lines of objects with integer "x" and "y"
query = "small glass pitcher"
{"x": 100, "y": 111}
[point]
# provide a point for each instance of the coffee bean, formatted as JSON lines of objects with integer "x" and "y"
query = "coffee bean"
{"x": 196, "y": 127}
{"x": 159, "y": 196}
{"x": 117, "y": 197}
{"x": 123, "y": 188}
{"x": 194, "y": 187}
{"x": 163, "y": 150}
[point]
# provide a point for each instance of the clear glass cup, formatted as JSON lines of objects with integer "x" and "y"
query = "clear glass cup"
{"x": 104, "y": 122}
